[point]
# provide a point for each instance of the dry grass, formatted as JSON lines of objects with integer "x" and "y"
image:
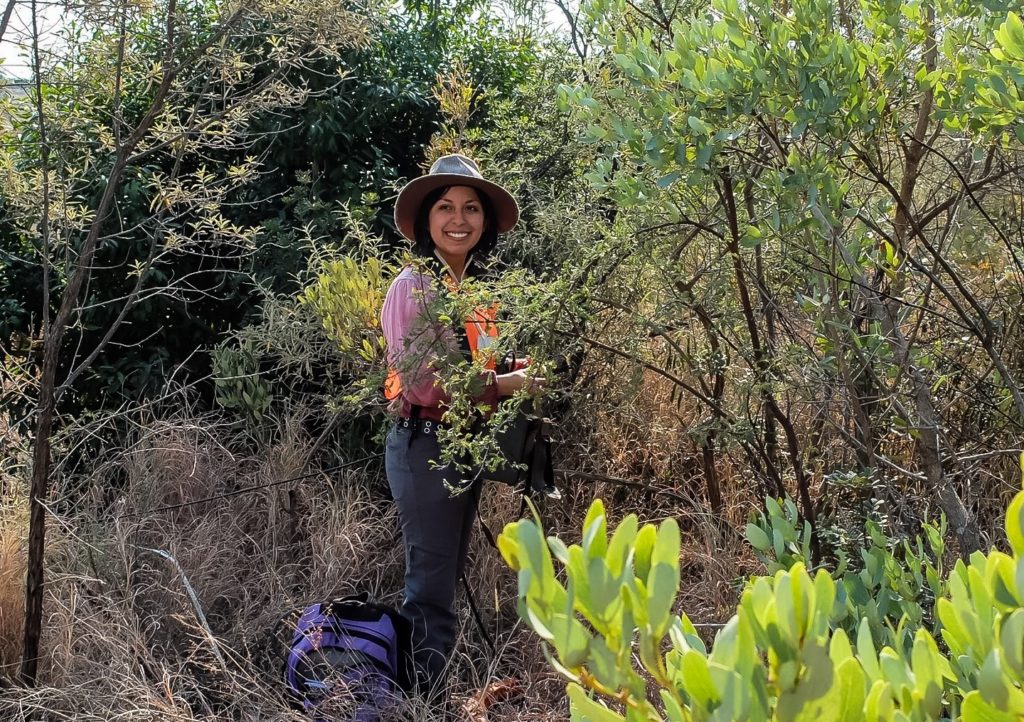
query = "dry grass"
{"x": 125, "y": 640}
{"x": 13, "y": 546}
{"x": 12, "y": 583}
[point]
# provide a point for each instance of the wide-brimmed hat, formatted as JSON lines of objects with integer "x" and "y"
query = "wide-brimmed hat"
{"x": 453, "y": 170}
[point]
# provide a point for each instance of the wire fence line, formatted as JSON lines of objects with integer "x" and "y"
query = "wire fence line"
{"x": 564, "y": 473}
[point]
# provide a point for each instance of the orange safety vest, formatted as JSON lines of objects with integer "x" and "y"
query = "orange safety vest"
{"x": 481, "y": 330}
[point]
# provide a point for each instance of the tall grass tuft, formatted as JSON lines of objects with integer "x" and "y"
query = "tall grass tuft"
{"x": 12, "y": 583}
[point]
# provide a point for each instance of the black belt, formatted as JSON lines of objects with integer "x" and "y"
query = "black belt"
{"x": 423, "y": 426}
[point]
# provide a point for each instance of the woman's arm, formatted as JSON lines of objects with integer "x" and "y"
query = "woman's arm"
{"x": 514, "y": 381}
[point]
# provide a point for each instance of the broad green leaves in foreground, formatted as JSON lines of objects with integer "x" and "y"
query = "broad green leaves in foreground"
{"x": 605, "y": 609}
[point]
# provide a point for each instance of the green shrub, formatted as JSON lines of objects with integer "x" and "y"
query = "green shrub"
{"x": 890, "y": 583}
{"x": 862, "y": 646}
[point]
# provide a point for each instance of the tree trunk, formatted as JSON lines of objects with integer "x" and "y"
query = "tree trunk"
{"x": 718, "y": 390}
{"x": 37, "y": 522}
{"x": 963, "y": 524}
{"x": 761, "y": 364}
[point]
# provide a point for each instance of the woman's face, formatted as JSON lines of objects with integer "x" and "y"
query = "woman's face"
{"x": 456, "y": 224}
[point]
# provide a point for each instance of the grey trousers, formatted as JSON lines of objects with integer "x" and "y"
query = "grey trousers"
{"x": 436, "y": 529}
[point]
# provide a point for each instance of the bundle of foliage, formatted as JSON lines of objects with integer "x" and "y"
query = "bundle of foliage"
{"x": 890, "y": 584}
{"x": 800, "y": 646}
{"x": 350, "y": 149}
{"x": 321, "y": 350}
{"x": 132, "y": 144}
{"x": 324, "y": 351}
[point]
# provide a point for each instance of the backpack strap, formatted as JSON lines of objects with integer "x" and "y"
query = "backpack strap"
{"x": 542, "y": 473}
{"x": 359, "y": 598}
{"x": 476, "y": 617}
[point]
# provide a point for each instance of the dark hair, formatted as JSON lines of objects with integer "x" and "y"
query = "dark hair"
{"x": 424, "y": 244}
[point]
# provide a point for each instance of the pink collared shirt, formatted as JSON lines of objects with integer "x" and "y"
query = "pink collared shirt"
{"x": 418, "y": 344}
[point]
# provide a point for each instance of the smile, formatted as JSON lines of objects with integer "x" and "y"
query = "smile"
{"x": 458, "y": 235}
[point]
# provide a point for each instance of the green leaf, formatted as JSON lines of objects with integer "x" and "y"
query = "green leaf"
{"x": 621, "y": 544}
{"x": 603, "y": 662}
{"x": 758, "y": 538}
{"x": 604, "y": 588}
{"x": 839, "y": 648}
{"x": 976, "y": 709}
{"x": 538, "y": 559}
{"x": 752, "y": 237}
{"x": 697, "y": 680}
{"x": 667, "y": 544}
{"x": 643, "y": 550}
{"x": 894, "y": 669}
{"x": 992, "y": 684}
{"x": 662, "y": 587}
{"x": 703, "y": 155}
{"x": 1011, "y": 638}
{"x": 508, "y": 545}
{"x": 852, "y": 683}
{"x": 697, "y": 125}
{"x": 824, "y": 601}
{"x": 558, "y": 549}
{"x": 926, "y": 662}
{"x": 1010, "y": 36}
{"x": 1000, "y": 579}
{"x": 537, "y": 624}
{"x": 953, "y": 631}
{"x": 595, "y": 530}
{"x": 569, "y": 637}
{"x": 878, "y": 706}
{"x": 1015, "y": 524}
{"x": 725, "y": 647}
{"x": 668, "y": 179}
{"x": 734, "y": 694}
{"x": 866, "y": 651}
{"x": 787, "y": 605}
{"x": 584, "y": 709}
{"x": 778, "y": 542}
{"x": 673, "y": 710}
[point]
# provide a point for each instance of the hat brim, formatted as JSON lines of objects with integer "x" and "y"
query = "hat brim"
{"x": 410, "y": 198}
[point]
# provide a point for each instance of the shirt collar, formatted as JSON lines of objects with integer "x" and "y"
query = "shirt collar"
{"x": 451, "y": 271}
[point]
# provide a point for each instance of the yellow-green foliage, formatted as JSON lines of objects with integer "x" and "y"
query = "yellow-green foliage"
{"x": 347, "y": 296}
{"x": 609, "y": 629}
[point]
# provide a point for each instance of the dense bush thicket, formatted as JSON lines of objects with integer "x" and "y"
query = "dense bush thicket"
{"x": 823, "y": 248}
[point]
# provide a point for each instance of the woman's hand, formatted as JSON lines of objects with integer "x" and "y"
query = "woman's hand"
{"x": 519, "y": 380}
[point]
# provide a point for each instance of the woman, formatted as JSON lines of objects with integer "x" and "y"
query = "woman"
{"x": 453, "y": 217}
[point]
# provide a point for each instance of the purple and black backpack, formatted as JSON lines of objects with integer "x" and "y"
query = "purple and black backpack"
{"x": 349, "y": 660}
